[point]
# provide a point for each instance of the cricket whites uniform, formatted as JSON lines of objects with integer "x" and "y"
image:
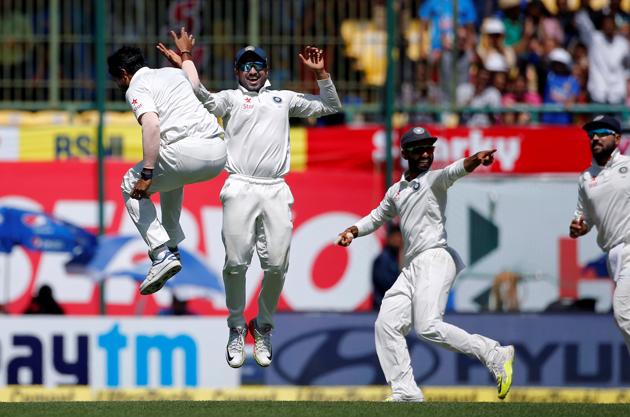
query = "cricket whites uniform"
{"x": 192, "y": 149}
{"x": 418, "y": 297}
{"x": 604, "y": 202}
{"x": 256, "y": 200}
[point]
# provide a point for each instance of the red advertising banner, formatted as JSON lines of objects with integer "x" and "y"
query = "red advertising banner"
{"x": 321, "y": 276}
{"x": 520, "y": 150}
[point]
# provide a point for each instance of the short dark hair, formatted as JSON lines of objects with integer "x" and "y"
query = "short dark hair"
{"x": 128, "y": 58}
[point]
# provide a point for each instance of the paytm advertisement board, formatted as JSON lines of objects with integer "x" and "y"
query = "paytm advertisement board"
{"x": 551, "y": 350}
{"x": 108, "y": 353}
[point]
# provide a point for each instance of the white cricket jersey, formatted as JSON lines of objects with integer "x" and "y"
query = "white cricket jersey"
{"x": 420, "y": 203}
{"x": 167, "y": 92}
{"x": 604, "y": 200}
{"x": 257, "y": 124}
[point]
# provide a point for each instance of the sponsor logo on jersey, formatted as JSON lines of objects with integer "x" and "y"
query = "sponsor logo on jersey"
{"x": 135, "y": 105}
{"x": 277, "y": 99}
{"x": 248, "y": 105}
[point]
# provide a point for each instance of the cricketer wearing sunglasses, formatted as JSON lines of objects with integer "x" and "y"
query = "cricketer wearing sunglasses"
{"x": 604, "y": 202}
{"x": 256, "y": 200}
{"x": 418, "y": 298}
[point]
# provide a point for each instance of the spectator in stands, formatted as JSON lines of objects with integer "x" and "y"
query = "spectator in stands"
{"x": 44, "y": 303}
{"x": 482, "y": 94}
{"x": 547, "y": 26}
{"x": 519, "y": 94}
{"x": 466, "y": 56}
{"x": 566, "y": 18}
{"x": 512, "y": 21}
{"x": 438, "y": 16}
{"x": 421, "y": 91}
{"x": 608, "y": 54}
{"x": 386, "y": 266}
{"x": 561, "y": 88}
{"x": 493, "y": 42}
{"x": 498, "y": 72}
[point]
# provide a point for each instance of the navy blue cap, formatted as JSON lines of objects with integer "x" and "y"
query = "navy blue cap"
{"x": 250, "y": 50}
{"x": 603, "y": 122}
{"x": 417, "y": 135}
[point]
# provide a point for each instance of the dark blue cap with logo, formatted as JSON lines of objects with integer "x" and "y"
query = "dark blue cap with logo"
{"x": 603, "y": 122}
{"x": 251, "y": 51}
{"x": 417, "y": 136}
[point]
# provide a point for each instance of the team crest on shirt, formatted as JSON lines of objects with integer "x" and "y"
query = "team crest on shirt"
{"x": 277, "y": 99}
{"x": 416, "y": 186}
{"x": 623, "y": 170}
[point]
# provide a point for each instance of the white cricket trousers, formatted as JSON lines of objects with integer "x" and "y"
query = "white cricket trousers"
{"x": 256, "y": 213}
{"x": 183, "y": 162}
{"x": 619, "y": 269}
{"x": 418, "y": 298}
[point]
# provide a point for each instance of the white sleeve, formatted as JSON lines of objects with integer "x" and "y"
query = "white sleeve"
{"x": 218, "y": 104}
{"x": 583, "y": 207}
{"x": 451, "y": 173}
{"x": 308, "y": 105}
{"x": 585, "y": 27}
{"x": 140, "y": 100}
{"x": 379, "y": 216}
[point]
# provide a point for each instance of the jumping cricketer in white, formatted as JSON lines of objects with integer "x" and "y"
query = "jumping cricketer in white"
{"x": 181, "y": 144}
{"x": 418, "y": 297}
{"x": 603, "y": 202}
{"x": 256, "y": 200}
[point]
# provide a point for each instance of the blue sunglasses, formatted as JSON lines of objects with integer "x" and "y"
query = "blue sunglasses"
{"x": 600, "y": 133}
{"x": 419, "y": 149}
{"x": 247, "y": 66}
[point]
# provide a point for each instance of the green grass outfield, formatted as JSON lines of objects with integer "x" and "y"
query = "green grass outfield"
{"x": 305, "y": 409}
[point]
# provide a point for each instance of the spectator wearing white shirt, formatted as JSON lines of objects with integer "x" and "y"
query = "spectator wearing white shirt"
{"x": 607, "y": 56}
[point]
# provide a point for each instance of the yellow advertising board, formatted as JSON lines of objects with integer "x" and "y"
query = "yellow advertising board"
{"x": 122, "y": 142}
{"x": 62, "y": 142}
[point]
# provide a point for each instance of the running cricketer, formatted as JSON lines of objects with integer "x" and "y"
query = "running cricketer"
{"x": 256, "y": 200}
{"x": 181, "y": 144}
{"x": 604, "y": 202}
{"x": 418, "y": 297}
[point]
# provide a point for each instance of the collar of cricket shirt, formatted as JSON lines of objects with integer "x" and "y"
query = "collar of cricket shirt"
{"x": 138, "y": 73}
{"x": 262, "y": 89}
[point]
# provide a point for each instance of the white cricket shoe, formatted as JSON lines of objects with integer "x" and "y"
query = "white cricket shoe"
{"x": 398, "y": 399}
{"x": 235, "y": 349}
{"x": 164, "y": 266}
{"x": 501, "y": 368}
{"x": 262, "y": 343}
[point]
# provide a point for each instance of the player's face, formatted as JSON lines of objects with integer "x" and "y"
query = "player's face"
{"x": 603, "y": 142}
{"x": 123, "y": 81}
{"x": 420, "y": 157}
{"x": 252, "y": 74}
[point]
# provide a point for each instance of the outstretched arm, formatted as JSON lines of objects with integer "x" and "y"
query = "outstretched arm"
{"x": 327, "y": 102}
{"x": 185, "y": 43}
{"x": 379, "y": 216}
{"x": 484, "y": 158}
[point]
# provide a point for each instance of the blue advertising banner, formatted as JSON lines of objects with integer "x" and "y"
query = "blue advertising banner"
{"x": 564, "y": 350}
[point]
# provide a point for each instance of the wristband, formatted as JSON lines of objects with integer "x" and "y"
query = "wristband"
{"x": 185, "y": 52}
{"x": 146, "y": 173}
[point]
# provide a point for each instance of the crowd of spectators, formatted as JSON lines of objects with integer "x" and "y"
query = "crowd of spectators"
{"x": 521, "y": 52}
